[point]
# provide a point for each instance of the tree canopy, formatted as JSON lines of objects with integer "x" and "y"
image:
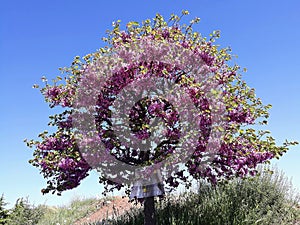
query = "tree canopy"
{"x": 158, "y": 73}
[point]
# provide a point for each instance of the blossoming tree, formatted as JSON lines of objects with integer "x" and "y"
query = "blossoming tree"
{"x": 157, "y": 79}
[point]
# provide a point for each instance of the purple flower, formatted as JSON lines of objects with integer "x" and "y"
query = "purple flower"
{"x": 66, "y": 163}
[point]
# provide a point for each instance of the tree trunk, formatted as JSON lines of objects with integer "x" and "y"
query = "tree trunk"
{"x": 149, "y": 211}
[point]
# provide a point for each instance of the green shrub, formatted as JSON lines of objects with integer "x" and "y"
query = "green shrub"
{"x": 26, "y": 214}
{"x": 265, "y": 199}
{"x": 4, "y": 213}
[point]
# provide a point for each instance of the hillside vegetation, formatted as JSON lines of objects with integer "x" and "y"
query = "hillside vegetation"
{"x": 265, "y": 199}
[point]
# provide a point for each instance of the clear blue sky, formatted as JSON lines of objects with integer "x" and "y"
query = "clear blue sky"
{"x": 38, "y": 37}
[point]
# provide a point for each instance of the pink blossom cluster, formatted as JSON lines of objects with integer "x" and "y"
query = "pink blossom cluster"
{"x": 60, "y": 143}
{"x": 59, "y": 95}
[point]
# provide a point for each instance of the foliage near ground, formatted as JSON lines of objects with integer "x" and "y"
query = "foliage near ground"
{"x": 69, "y": 214}
{"x": 24, "y": 213}
{"x": 267, "y": 199}
{"x": 4, "y": 213}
